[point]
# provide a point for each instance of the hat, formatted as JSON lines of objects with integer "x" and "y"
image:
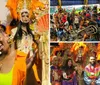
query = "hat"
{"x": 24, "y": 10}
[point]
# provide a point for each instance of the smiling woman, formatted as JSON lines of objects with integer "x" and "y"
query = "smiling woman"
{"x": 16, "y": 73}
{"x": 25, "y": 39}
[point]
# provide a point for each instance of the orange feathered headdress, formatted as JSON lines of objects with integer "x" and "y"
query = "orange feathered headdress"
{"x": 15, "y": 6}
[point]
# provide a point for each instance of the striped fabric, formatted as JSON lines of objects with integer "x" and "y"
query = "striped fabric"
{"x": 92, "y": 73}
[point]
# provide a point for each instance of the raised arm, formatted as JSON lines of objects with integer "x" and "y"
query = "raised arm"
{"x": 30, "y": 77}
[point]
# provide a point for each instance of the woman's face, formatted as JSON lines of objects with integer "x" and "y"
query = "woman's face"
{"x": 69, "y": 63}
{"x": 25, "y": 17}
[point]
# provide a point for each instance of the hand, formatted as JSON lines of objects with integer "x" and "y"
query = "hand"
{"x": 30, "y": 60}
{"x": 93, "y": 83}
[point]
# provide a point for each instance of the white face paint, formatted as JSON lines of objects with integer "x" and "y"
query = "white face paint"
{"x": 25, "y": 17}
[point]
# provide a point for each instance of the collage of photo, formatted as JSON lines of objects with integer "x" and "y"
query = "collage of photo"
{"x": 74, "y": 42}
{"x": 50, "y": 42}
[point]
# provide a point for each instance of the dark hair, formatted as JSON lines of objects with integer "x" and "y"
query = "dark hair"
{"x": 2, "y": 26}
{"x": 14, "y": 22}
{"x": 66, "y": 64}
{"x": 18, "y": 34}
{"x": 67, "y": 69}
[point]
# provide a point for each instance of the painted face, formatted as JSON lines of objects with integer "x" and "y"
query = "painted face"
{"x": 92, "y": 60}
{"x": 25, "y": 17}
{"x": 4, "y": 46}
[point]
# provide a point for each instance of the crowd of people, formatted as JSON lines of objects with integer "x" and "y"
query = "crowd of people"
{"x": 67, "y": 70}
{"x": 73, "y": 26}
